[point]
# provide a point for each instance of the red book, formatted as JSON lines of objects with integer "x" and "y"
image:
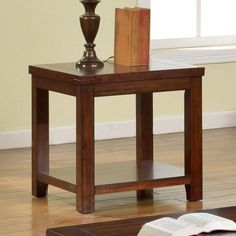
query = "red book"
{"x": 144, "y": 36}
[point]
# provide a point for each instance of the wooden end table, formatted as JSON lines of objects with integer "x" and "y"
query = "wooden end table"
{"x": 143, "y": 174}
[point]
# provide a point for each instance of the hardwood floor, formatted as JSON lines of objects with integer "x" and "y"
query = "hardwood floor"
{"x": 21, "y": 214}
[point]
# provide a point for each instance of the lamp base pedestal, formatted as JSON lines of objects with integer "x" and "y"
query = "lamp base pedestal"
{"x": 89, "y": 24}
{"x": 89, "y": 59}
{"x": 88, "y": 65}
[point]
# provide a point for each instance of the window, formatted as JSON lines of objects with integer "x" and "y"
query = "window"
{"x": 188, "y": 23}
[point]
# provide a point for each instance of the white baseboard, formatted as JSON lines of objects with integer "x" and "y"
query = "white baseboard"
{"x": 59, "y": 135}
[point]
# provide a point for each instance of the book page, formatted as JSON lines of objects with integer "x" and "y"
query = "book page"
{"x": 166, "y": 227}
{"x": 208, "y": 222}
{"x": 199, "y": 219}
{"x": 168, "y": 224}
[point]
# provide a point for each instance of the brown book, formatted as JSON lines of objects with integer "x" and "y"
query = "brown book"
{"x": 132, "y": 36}
{"x": 144, "y": 36}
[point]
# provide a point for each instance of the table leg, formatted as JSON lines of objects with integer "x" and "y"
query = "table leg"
{"x": 144, "y": 133}
{"x": 193, "y": 140}
{"x": 40, "y": 138}
{"x": 85, "y": 196}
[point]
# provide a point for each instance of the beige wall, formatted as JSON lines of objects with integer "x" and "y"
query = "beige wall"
{"x": 36, "y": 32}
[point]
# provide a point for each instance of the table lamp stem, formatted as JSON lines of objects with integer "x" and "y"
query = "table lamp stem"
{"x": 89, "y": 24}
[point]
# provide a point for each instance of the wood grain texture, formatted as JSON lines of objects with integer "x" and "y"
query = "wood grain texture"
{"x": 126, "y": 47}
{"x": 85, "y": 194}
{"x": 142, "y": 81}
{"x": 145, "y": 16}
{"x": 135, "y": 175}
{"x": 68, "y": 73}
{"x": 131, "y": 227}
{"x": 193, "y": 139}
{"x": 132, "y": 36}
{"x": 40, "y": 138}
{"x": 144, "y": 135}
{"x": 122, "y": 47}
{"x": 24, "y": 215}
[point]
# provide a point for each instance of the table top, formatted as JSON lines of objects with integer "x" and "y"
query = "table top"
{"x": 158, "y": 69}
{"x": 130, "y": 227}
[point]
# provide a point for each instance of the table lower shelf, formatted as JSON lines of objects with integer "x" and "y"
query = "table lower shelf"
{"x": 120, "y": 176}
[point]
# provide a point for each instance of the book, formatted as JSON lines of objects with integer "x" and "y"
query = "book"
{"x": 186, "y": 225}
{"x": 144, "y": 36}
{"x": 132, "y": 36}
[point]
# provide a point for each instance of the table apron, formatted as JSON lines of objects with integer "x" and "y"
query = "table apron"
{"x": 118, "y": 88}
{"x": 162, "y": 85}
{"x": 56, "y": 86}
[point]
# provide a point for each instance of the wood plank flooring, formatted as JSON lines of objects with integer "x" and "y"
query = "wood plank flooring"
{"x": 21, "y": 214}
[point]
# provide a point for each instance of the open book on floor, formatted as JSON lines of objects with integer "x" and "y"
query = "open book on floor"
{"x": 186, "y": 225}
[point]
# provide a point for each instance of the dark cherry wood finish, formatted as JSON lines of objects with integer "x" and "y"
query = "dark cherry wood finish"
{"x": 40, "y": 138}
{"x": 130, "y": 227}
{"x": 89, "y": 24}
{"x": 144, "y": 131}
{"x": 142, "y": 175}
